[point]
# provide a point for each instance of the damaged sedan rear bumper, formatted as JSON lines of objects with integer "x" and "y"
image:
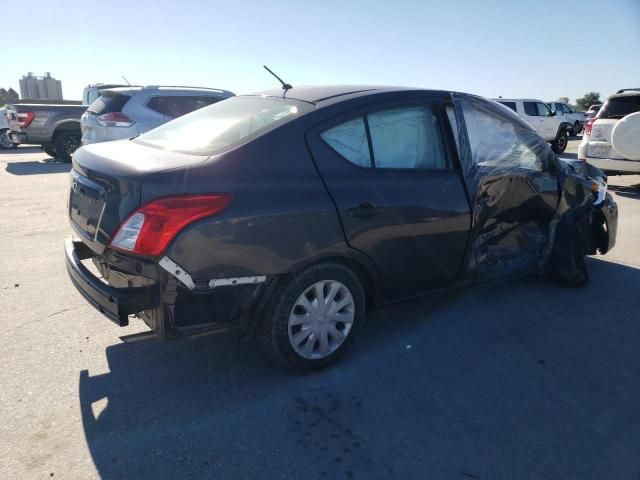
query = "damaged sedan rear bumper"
{"x": 115, "y": 303}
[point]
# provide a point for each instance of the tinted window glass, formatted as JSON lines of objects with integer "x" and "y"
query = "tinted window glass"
{"x": 407, "y": 137}
{"x": 349, "y": 139}
{"x": 109, "y": 103}
{"x": 223, "y": 125}
{"x": 619, "y": 107}
{"x": 558, "y": 108}
{"x": 543, "y": 110}
{"x": 511, "y": 105}
{"x": 175, "y": 106}
{"x": 497, "y": 142}
{"x": 530, "y": 109}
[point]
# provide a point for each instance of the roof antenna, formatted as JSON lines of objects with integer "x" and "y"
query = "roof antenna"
{"x": 285, "y": 86}
{"x": 125, "y": 79}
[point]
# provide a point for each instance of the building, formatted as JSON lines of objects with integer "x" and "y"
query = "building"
{"x": 40, "y": 88}
{"x": 8, "y": 96}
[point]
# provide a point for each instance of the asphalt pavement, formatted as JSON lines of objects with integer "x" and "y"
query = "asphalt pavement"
{"x": 516, "y": 380}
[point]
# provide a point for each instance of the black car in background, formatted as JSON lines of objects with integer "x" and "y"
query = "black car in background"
{"x": 287, "y": 213}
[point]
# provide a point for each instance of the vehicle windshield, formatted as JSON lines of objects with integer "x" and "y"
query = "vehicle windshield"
{"x": 223, "y": 125}
{"x": 618, "y": 107}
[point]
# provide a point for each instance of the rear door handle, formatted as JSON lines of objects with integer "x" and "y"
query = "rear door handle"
{"x": 365, "y": 211}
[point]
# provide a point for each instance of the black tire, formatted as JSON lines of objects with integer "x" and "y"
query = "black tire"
{"x": 50, "y": 151}
{"x": 559, "y": 145}
{"x": 5, "y": 143}
{"x": 579, "y": 276}
{"x": 65, "y": 143}
{"x": 273, "y": 329}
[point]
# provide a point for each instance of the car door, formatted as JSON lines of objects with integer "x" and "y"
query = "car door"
{"x": 548, "y": 121}
{"x": 509, "y": 172}
{"x": 391, "y": 173}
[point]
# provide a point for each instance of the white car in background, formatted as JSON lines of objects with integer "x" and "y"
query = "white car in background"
{"x": 575, "y": 118}
{"x": 8, "y": 125}
{"x": 553, "y": 128}
{"x": 611, "y": 139}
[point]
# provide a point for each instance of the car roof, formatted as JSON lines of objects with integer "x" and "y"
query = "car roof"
{"x": 169, "y": 90}
{"x": 322, "y": 95}
{"x": 628, "y": 93}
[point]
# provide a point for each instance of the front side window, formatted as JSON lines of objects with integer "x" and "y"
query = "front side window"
{"x": 401, "y": 138}
{"x": 543, "y": 110}
{"x": 500, "y": 143}
{"x": 223, "y": 125}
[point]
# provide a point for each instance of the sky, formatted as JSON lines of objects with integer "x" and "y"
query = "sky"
{"x": 537, "y": 49}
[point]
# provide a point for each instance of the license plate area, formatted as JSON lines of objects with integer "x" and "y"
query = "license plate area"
{"x": 87, "y": 200}
{"x": 599, "y": 150}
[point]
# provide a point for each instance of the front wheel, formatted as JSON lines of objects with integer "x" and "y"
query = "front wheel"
{"x": 314, "y": 317}
{"x": 5, "y": 141}
{"x": 559, "y": 145}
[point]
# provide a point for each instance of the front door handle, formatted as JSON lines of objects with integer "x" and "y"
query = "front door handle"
{"x": 364, "y": 211}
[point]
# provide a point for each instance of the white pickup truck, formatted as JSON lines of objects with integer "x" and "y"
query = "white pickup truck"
{"x": 8, "y": 123}
{"x": 575, "y": 118}
{"x": 553, "y": 128}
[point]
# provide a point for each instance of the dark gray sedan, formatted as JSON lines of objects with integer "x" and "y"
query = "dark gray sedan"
{"x": 288, "y": 213}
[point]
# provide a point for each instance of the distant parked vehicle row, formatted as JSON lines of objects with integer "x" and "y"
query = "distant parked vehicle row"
{"x": 127, "y": 112}
{"x": 611, "y": 139}
{"x": 553, "y": 128}
{"x": 593, "y": 110}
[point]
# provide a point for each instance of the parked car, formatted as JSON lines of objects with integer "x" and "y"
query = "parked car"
{"x": 575, "y": 118}
{"x": 55, "y": 127}
{"x": 8, "y": 124}
{"x": 92, "y": 91}
{"x": 129, "y": 111}
{"x": 287, "y": 214}
{"x": 593, "y": 110}
{"x": 551, "y": 127}
{"x": 611, "y": 139}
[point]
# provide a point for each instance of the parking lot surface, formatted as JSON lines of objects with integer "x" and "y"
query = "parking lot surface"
{"x": 518, "y": 380}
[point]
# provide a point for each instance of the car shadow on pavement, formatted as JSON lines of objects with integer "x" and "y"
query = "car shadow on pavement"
{"x": 49, "y": 165}
{"x": 523, "y": 379}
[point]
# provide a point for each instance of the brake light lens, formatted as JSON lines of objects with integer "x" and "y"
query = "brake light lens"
{"x": 150, "y": 229}
{"x": 114, "y": 119}
{"x": 588, "y": 125}
{"x": 25, "y": 119}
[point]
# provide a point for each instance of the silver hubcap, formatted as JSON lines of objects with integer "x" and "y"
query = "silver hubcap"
{"x": 321, "y": 319}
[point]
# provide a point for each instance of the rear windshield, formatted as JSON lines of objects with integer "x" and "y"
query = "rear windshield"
{"x": 619, "y": 107}
{"x": 223, "y": 125}
{"x": 109, "y": 103}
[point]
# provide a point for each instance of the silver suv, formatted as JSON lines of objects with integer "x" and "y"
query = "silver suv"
{"x": 129, "y": 111}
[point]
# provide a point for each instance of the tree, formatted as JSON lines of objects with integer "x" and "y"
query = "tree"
{"x": 563, "y": 100}
{"x": 587, "y": 100}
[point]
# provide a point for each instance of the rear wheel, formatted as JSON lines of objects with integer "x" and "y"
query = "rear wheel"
{"x": 559, "y": 145}
{"x": 65, "y": 143}
{"x": 5, "y": 141}
{"x": 314, "y": 317}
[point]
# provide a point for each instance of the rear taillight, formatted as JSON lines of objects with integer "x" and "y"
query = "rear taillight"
{"x": 149, "y": 229}
{"x": 588, "y": 125}
{"x": 114, "y": 119}
{"x": 25, "y": 119}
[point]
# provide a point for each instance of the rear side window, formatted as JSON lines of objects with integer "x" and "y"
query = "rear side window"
{"x": 407, "y": 137}
{"x": 511, "y": 105}
{"x": 109, "y": 103}
{"x": 530, "y": 109}
{"x": 401, "y": 138}
{"x": 349, "y": 139}
{"x": 619, "y": 107}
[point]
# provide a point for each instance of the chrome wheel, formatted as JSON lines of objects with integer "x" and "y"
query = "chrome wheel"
{"x": 321, "y": 319}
